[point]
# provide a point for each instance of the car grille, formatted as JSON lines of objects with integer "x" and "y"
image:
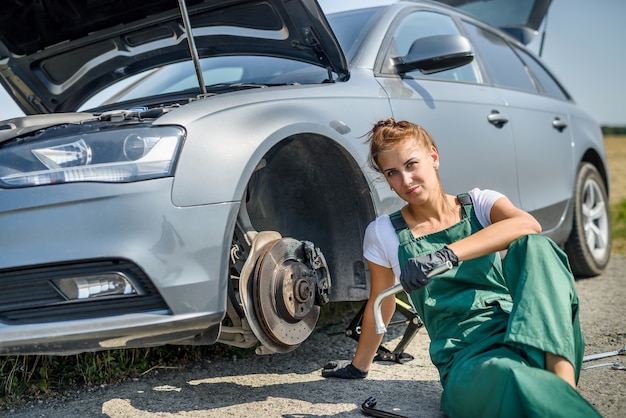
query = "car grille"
{"x": 27, "y": 296}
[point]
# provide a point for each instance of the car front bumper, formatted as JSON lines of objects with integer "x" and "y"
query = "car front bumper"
{"x": 176, "y": 257}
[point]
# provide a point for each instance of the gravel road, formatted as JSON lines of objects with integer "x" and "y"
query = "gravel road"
{"x": 290, "y": 385}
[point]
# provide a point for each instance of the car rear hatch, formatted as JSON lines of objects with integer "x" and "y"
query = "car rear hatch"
{"x": 520, "y": 18}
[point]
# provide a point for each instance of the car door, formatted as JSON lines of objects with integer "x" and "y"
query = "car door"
{"x": 463, "y": 115}
{"x": 537, "y": 109}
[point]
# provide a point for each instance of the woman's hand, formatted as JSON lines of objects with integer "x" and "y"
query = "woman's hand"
{"x": 415, "y": 272}
{"x": 343, "y": 369}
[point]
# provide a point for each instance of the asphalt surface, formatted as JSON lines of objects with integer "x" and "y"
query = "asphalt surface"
{"x": 290, "y": 385}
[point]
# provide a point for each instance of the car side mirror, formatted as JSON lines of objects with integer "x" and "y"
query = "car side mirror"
{"x": 435, "y": 53}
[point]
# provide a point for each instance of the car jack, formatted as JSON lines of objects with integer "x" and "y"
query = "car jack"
{"x": 397, "y": 355}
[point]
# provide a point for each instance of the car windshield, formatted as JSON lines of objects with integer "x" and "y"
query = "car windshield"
{"x": 219, "y": 73}
{"x": 233, "y": 72}
{"x": 351, "y": 27}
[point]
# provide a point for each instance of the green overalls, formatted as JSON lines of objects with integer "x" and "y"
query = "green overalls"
{"x": 490, "y": 323}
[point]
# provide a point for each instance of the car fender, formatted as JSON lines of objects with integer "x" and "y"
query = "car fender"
{"x": 223, "y": 148}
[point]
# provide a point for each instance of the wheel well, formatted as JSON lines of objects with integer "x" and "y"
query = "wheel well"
{"x": 592, "y": 157}
{"x": 310, "y": 188}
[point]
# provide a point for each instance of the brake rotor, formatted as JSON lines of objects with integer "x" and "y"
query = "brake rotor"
{"x": 279, "y": 295}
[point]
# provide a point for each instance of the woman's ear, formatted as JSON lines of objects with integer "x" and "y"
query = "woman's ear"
{"x": 435, "y": 156}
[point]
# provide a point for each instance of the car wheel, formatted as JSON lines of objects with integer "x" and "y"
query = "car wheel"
{"x": 589, "y": 244}
{"x": 277, "y": 286}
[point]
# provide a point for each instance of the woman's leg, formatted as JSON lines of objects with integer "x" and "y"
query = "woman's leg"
{"x": 561, "y": 367}
{"x": 544, "y": 321}
{"x": 500, "y": 383}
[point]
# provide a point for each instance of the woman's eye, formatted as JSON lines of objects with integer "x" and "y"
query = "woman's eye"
{"x": 391, "y": 173}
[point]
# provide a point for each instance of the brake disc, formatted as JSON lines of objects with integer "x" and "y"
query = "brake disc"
{"x": 279, "y": 294}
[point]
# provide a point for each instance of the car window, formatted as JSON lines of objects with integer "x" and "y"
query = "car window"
{"x": 503, "y": 65}
{"x": 546, "y": 81}
{"x": 422, "y": 24}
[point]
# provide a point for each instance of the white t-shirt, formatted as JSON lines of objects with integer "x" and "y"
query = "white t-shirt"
{"x": 381, "y": 242}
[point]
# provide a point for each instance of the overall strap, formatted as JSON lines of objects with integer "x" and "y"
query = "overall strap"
{"x": 466, "y": 204}
{"x": 398, "y": 221}
{"x": 402, "y": 229}
{"x": 465, "y": 199}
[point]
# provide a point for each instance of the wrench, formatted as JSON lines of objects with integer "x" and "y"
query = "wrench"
{"x": 590, "y": 357}
{"x": 369, "y": 408}
{"x": 614, "y": 365}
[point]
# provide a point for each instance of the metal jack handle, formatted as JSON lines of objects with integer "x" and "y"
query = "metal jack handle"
{"x": 378, "y": 316}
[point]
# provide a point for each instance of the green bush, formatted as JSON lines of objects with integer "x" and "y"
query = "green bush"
{"x": 613, "y": 130}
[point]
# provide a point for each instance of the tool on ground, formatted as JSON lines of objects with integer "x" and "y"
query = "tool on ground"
{"x": 378, "y": 316}
{"x": 591, "y": 357}
{"x": 615, "y": 365}
{"x": 369, "y": 408}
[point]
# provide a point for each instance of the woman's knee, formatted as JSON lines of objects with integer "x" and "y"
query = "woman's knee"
{"x": 535, "y": 251}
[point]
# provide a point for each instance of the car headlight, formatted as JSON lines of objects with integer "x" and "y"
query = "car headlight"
{"x": 109, "y": 155}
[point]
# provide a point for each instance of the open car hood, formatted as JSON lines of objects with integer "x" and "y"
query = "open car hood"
{"x": 55, "y": 54}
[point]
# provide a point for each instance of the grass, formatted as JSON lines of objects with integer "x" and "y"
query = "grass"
{"x": 618, "y": 227}
{"x": 31, "y": 377}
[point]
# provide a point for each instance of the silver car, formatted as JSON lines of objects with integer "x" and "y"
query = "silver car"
{"x": 197, "y": 174}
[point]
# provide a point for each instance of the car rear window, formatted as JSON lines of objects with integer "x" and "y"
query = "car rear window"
{"x": 543, "y": 77}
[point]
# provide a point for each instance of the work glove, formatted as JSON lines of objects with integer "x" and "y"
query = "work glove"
{"x": 414, "y": 273}
{"x": 342, "y": 369}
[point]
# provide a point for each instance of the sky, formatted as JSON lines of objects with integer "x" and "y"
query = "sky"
{"x": 585, "y": 47}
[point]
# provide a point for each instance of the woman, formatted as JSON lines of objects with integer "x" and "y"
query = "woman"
{"x": 505, "y": 335}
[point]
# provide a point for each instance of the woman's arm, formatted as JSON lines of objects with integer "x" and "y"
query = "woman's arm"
{"x": 508, "y": 223}
{"x": 381, "y": 278}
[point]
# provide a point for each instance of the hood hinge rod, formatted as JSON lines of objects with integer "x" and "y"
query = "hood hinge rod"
{"x": 192, "y": 45}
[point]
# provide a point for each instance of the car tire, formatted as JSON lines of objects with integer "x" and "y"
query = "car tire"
{"x": 589, "y": 244}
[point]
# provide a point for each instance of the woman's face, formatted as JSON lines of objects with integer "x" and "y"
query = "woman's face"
{"x": 411, "y": 170}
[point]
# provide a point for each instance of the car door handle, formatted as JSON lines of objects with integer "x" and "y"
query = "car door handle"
{"x": 497, "y": 119}
{"x": 559, "y": 124}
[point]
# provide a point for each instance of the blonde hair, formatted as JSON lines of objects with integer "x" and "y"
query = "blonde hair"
{"x": 387, "y": 133}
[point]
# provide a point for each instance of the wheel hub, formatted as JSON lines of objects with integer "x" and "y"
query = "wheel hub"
{"x": 297, "y": 297}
